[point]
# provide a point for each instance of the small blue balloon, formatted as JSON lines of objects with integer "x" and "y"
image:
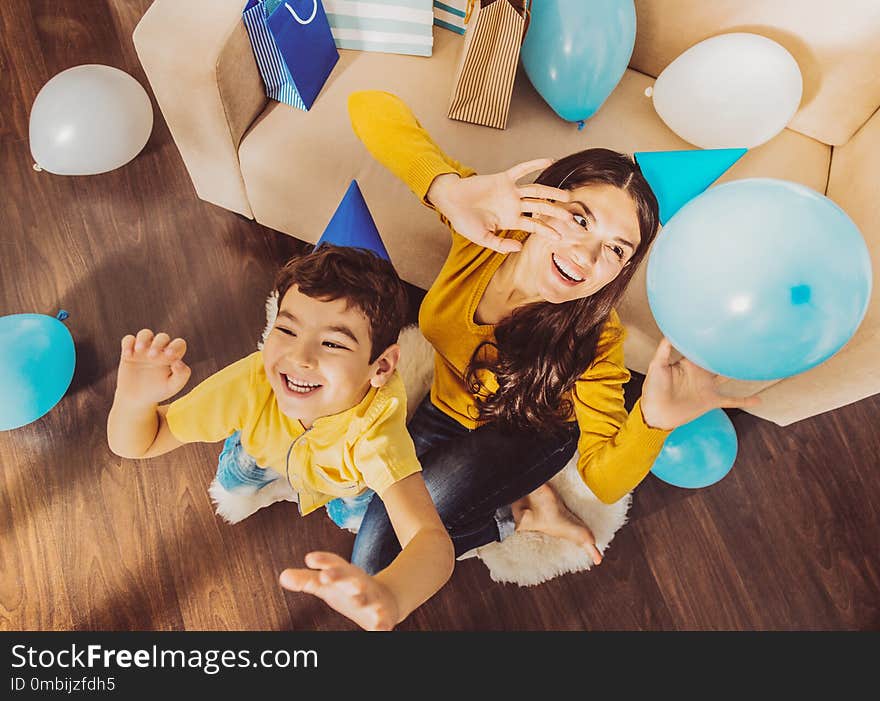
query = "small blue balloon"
{"x": 575, "y": 52}
{"x": 37, "y": 358}
{"x": 698, "y": 453}
{"x": 759, "y": 279}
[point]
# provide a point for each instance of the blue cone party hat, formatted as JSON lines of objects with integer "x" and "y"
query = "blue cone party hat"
{"x": 353, "y": 225}
{"x": 676, "y": 177}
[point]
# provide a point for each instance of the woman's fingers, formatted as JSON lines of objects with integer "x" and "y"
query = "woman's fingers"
{"x": 520, "y": 170}
{"x": 544, "y": 192}
{"x": 497, "y": 243}
{"x": 738, "y": 402}
{"x": 536, "y": 226}
{"x": 549, "y": 209}
{"x": 663, "y": 354}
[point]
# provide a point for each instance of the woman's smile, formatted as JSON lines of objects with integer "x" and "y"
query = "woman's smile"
{"x": 569, "y": 273}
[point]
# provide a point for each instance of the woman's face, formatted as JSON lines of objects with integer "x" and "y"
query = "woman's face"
{"x": 592, "y": 253}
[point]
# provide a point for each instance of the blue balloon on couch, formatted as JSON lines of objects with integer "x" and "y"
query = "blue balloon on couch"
{"x": 759, "y": 279}
{"x": 698, "y": 453}
{"x": 575, "y": 52}
{"x": 37, "y": 358}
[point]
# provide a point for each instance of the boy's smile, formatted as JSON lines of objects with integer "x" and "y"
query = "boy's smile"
{"x": 317, "y": 357}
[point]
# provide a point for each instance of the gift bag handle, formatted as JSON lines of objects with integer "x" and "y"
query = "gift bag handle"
{"x": 300, "y": 19}
{"x": 526, "y": 12}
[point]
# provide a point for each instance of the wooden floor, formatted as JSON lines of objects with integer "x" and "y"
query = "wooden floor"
{"x": 789, "y": 540}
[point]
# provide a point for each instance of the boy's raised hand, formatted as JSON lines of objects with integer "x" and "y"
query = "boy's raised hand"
{"x": 151, "y": 368}
{"x": 345, "y": 588}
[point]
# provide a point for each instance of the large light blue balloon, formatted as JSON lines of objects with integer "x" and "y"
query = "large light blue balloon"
{"x": 576, "y": 52}
{"x": 37, "y": 358}
{"x": 759, "y": 279}
{"x": 698, "y": 453}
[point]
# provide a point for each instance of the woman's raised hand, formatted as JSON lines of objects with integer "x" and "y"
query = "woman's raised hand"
{"x": 676, "y": 393}
{"x": 481, "y": 206}
{"x": 151, "y": 368}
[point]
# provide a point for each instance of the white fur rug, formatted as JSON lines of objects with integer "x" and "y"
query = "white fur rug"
{"x": 523, "y": 558}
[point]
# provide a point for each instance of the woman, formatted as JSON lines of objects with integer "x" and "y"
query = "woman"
{"x": 529, "y": 351}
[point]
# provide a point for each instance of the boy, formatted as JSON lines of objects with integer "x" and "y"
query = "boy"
{"x": 322, "y": 405}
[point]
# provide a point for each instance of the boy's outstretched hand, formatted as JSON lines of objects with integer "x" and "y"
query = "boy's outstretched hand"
{"x": 345, "y": 588}
{"x": 151, "y": 368}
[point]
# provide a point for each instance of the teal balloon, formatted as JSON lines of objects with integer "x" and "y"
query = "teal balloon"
{"x": 576, "y": 51}
{"x": 37, "y": 358}
{"x": 698, "y": 453}
{"x": 759, "y": 279}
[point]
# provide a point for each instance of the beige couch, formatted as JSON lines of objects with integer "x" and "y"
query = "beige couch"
{"x": 288, "y": 169}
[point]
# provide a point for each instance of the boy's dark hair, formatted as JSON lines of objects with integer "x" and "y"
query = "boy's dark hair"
{"x": 356, "y": 275}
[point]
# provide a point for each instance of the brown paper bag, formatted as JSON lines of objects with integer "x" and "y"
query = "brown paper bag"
{"x": 483, "y": 84}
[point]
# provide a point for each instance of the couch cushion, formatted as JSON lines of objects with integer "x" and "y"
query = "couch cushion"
{"x": 835, "y": 44}
{"x": 297, "y": 165}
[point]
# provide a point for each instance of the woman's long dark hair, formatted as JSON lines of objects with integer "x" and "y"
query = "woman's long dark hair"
{"x": 543, "y": 348}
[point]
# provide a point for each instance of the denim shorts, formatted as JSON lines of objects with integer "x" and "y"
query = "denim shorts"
{"x": 238, "y": 472}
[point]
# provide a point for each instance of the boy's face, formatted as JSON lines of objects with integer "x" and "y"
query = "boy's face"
{"x": 317, "y": 357}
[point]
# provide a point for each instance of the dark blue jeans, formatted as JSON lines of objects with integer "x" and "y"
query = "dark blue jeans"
{"x": 470, "y": 475}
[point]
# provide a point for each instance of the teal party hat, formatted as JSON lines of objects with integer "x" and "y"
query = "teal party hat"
{"x": 676, "y": 177}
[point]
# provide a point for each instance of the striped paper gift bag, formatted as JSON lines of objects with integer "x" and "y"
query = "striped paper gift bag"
{"x": 388, "y": 26}
{"x": 450, "y": 15}
{"x": 483, "y": 84}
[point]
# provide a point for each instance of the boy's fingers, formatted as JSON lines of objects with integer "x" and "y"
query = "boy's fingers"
{"x": 143, "y": 339}
{"x": 160, "y": 340}
{"x": 127, "y": 346}
{"x": 178, "y": 367}
{"x": 332, "y": 575}
{"x": 300, "y": 580}
{"x": 321, "y": 560}
{"x": 176, "y": 349}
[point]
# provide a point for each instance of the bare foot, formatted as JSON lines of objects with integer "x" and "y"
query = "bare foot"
{"x": 544, "y": 512}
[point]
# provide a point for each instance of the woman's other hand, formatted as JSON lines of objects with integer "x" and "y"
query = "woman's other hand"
{"x": 676, "y": 393}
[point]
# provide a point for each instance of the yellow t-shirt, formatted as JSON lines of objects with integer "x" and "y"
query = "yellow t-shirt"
{"x": 617, "y": 449}
{"x": 339, "y": 456}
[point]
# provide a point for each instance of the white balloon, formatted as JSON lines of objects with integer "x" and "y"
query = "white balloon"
{"x": 89, "y": 119}
{"x": 730, "y": 91}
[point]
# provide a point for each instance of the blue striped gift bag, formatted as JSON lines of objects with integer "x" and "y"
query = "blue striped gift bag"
{"x": 293, "y": 47}
{"x": 450, "y": 15}
{"x": 389, "y": 26}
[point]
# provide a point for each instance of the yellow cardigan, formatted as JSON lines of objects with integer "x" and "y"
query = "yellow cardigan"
{"x": 616, "y": 449}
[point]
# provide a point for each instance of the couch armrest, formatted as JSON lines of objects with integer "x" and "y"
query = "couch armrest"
{"x": 854, "y": 372}
{"x": 198, "y": 59}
